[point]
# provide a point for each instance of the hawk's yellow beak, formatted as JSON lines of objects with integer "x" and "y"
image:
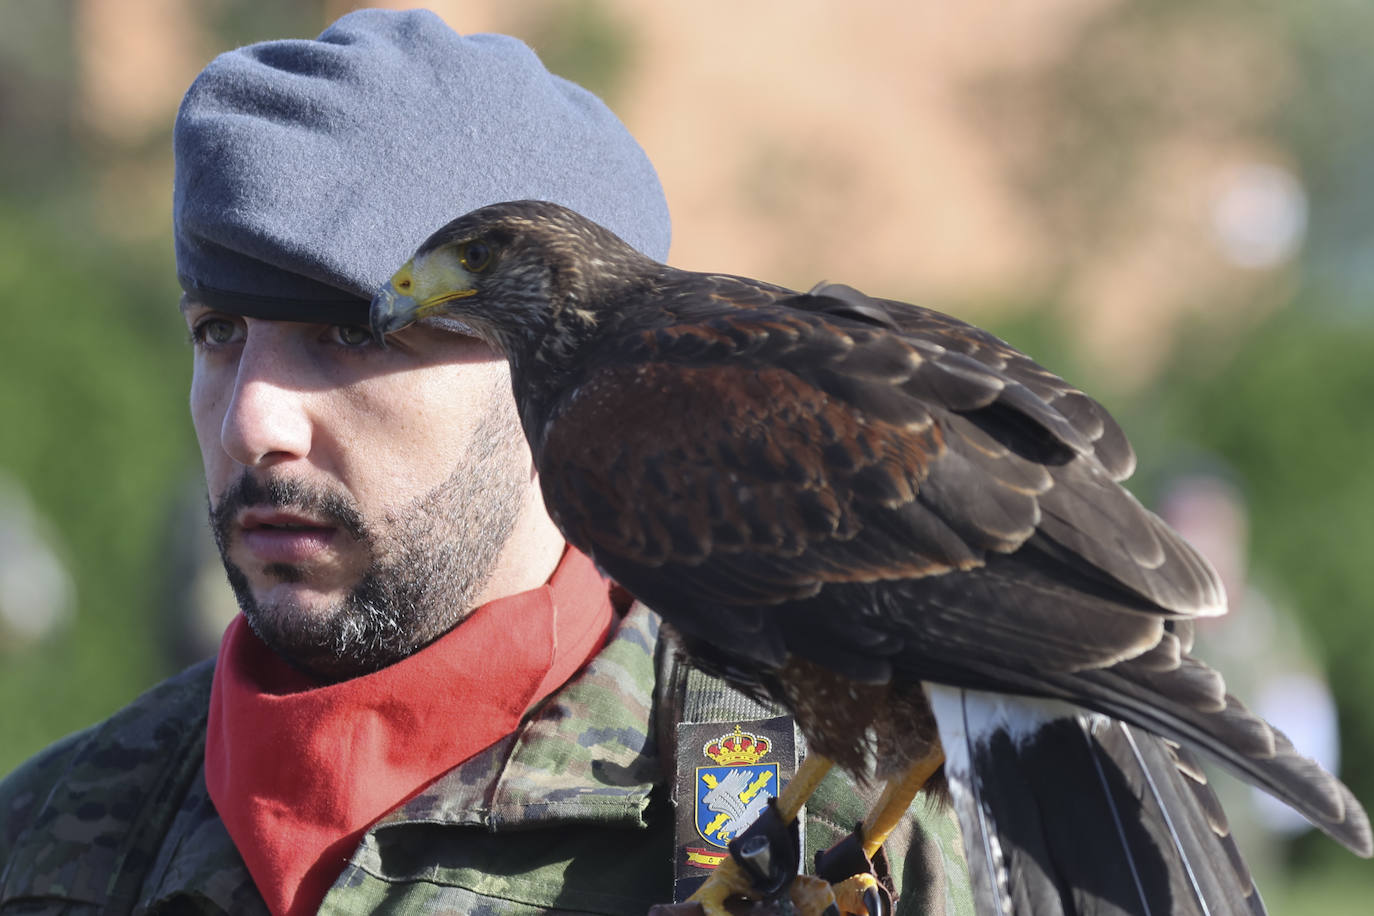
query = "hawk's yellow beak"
{"x": 414, "y": 293}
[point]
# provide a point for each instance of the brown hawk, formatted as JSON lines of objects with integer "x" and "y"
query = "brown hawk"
{"x": 899, "y": 527}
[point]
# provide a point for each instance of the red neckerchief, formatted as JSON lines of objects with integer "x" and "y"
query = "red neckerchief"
{"x": 298, "y": 771}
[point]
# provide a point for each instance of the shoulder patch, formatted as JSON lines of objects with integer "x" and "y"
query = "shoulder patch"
{"x": 726, "y": 772}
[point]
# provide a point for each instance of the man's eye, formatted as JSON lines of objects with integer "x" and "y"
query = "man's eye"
{"x": 352, "y": 335}
{"x": 214, "y": 331}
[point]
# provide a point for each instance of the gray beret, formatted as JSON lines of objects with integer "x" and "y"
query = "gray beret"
{"x": 307, "y": 172}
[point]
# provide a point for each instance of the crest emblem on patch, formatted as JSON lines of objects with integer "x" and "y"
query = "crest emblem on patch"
{"x": 732, "y": 792}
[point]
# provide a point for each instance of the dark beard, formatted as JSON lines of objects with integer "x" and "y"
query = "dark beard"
{"x": 428, "y": 562}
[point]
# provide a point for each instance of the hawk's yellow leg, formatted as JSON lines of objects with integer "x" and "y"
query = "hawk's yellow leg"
{"x": 882, "y": 819}
{"x": 897, "y": 797}
{"x": 729, "y": 880}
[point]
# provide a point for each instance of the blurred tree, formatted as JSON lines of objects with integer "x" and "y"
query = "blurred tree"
{"x": 1271, "y": 368}
{"x": 36, "y": 79}
{"x": 92, "y": 401}
{"x": 1328, "y": 126}
{"x": 1125, "y": 145}
{"x": 1286, "y": 406}
{"x": 1290, "y": 412}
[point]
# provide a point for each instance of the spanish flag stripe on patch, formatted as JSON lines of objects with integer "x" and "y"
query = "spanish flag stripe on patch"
{"x": 704, "y": 858}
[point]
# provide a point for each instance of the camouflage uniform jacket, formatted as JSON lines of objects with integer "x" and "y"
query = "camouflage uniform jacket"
{"x": 568, "y": 814}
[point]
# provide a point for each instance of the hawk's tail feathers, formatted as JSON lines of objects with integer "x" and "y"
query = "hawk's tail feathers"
{"x": 1189, "y": 704}
{"x": 1066, "y": 812}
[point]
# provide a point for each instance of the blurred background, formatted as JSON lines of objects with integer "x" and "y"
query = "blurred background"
{"x": 1169, "y": 202}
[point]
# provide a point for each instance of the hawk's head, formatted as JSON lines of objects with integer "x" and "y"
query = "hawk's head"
{"x": 526, "y": 276}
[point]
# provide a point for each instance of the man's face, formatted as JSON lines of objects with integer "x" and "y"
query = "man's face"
{"x": 360, "y": 496}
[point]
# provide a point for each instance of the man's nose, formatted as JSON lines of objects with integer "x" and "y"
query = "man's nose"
{"x": 268, "y": 420}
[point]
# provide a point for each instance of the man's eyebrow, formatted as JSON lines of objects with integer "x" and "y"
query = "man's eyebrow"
{"x": 189, "y": 304}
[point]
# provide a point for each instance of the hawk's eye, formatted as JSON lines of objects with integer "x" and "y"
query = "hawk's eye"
{"x": 474, "y": 255}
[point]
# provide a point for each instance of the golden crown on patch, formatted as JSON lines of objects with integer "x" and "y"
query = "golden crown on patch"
{"x": 740, "y": 747}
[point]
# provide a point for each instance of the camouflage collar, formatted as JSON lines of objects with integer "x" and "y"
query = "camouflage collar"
{"x": 113, "y": 790}
{"x": 110, "y": 796}
{"x": 588, "y": 755}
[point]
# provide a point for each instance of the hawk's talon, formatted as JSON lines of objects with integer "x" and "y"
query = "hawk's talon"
{"x": 858, "y": 879}
{"x": 863, "y": 895}
{"x": 877, "y": 902}
{"x": 811, "y": 896}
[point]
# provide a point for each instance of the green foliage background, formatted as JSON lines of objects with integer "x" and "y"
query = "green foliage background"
{"x": 1291, "y": 413}
{"x": 92, "y": 402}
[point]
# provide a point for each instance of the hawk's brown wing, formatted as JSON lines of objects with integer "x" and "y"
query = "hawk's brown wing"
{"x": 791, "y": 483}
{"x": 923, "y": 325}
{"x": 741, "y": 472}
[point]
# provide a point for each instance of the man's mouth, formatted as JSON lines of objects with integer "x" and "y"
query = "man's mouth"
{"x": 278, "y": 536}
